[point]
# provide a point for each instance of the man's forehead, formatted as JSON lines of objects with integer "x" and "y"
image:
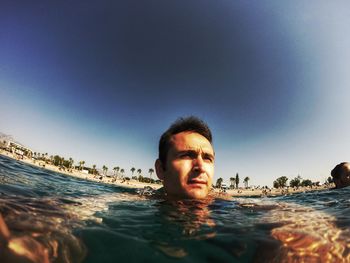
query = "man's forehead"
{"x": 190, "y": 141}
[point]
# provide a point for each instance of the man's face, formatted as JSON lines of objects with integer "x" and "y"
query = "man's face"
{"x": 189, "y": 170}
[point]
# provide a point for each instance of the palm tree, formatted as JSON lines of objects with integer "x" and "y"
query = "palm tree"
{"x": 219, "y": 182}
{"x": 151, "y": 171}
{"x": 94, "y": 169}
{"x": 81, "y": 165}
{"x": 232, "y": 182}
{"x": 105, "y": 169}
{"x": 246, "y": 180}
{"x": 122, "y": 172}
{"x": 71, "y": 161}
{"x": 237, "y": 180}
{"x": 139, "y": 171}
{"x": 115, "y": 170}
{"x": 132, "y": 171}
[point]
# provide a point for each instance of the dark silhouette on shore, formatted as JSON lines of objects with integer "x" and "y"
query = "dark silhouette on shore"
{"x": 341, "y": 175}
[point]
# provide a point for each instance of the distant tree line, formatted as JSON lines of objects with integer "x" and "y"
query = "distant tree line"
{"x": 282, "y": 182}
{"x": 118, "y": 172}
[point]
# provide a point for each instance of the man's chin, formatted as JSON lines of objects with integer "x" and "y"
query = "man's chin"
{"x": 197, "y": 193}
{"x": 188, "y": 193}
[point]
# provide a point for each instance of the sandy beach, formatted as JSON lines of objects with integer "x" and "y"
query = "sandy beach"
{"x": 273, "y": 192}
{"x": 241, "y": 192}
{"x": 76, "y": 173}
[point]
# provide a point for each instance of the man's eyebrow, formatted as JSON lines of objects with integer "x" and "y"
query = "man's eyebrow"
{"x": 187, "y": 151}
{"x": 211, "y": 155}
{"x": 194, "y": 151}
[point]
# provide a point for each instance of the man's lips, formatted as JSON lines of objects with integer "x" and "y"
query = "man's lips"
{"x": 197, "y": 182}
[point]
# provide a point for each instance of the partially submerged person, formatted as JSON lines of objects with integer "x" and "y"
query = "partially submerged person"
{"x": 186, "y": 167}
{"x": 341, "y": 175}
{"x": 186, "y": 159}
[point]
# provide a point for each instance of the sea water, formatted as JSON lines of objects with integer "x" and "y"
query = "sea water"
{"x": 83, "y": 221}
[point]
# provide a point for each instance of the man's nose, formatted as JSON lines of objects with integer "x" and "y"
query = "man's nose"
{"x": 198, "y": 164}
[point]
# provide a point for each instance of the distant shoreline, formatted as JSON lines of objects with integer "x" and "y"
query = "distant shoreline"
{"x": 77, "y": 174}
{"x": 273, "y": 192}
{"x": 139, "y": 185}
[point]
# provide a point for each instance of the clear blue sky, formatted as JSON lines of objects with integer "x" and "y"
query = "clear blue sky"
{"x": 100, "y": 81}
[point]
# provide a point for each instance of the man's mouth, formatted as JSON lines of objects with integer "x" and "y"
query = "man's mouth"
{"x": 198, "y": 183}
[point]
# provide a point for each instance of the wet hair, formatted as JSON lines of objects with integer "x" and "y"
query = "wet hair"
{"x": 184, "y": 124}
{"x": 337, "y": 170}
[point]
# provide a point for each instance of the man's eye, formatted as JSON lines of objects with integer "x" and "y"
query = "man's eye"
{"x": 185, "y": 155}
{"x": 209, "y": 158}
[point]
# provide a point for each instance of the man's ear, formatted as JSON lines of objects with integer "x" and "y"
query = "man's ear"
{"x": 159, "y": 169}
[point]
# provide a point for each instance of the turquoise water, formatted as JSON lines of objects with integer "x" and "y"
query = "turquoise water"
{"x": 82, "y": 221}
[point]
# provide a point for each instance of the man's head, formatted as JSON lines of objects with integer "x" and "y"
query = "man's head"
{"x": 186, "y": 159}
{"x": 341, "y": 175}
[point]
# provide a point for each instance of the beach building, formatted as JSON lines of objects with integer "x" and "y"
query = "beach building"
{"x": 17, "y": 148}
